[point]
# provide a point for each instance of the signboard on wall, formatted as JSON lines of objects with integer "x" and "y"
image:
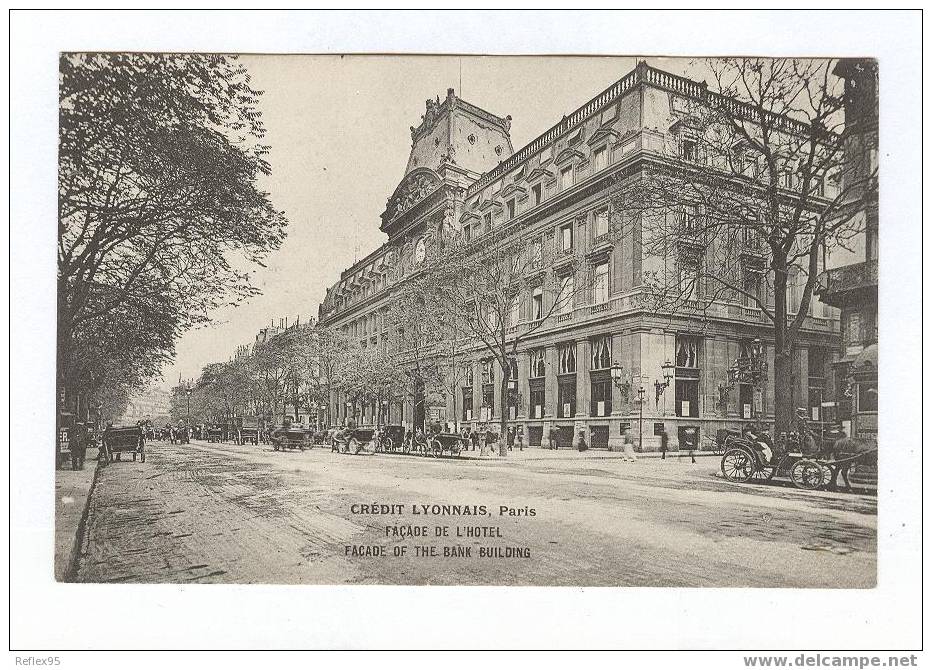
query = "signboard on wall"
{"x": 658, "y": 427}
{"x": 746, "y": 411}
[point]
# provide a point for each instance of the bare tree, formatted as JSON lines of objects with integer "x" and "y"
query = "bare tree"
{"x": 747, "y": 199}
{"x": 499, "y": 291}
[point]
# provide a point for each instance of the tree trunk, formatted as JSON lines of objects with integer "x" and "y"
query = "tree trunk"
{"x": 502, "y": 422}
{"x": 783, "y": 391}
{"x": 783, "y": 382}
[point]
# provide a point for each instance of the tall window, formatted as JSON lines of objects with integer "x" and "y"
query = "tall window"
{"x": 567, "y": 358}
{"x": 488, "y": 372}
{"x": 752, "y": 288}
{"x": 487, "y": 222}
{"x": 600, "y": 284}
{"x": 689, "y": 219}
{"x": 536, "y": 253}
{"x": 566, "y": 381}
{"x": 687, "y": 376}
{"x": 601, "y": 223}
{"x": 538, "y": 368}
{"x": 566, "y": 178}
{"x": 566, "y": 237}
{"x": 511, "y": 208}
{"x": 601, "y": 395}
{"x": 818, "y": 360}
{"x": 537, "y": 303}
{"x": 467, "y": 233}
{"x": 689, "y": 149}
{"x": 599, "y": 159}
{"x": 567, "y": 287}
{"x": 488, "y": 391}
{"x": 601, "y": 356}
{"x": 512, "y": 395}
{"x": 467, "y": 403}
{"x": 690, "y": 270}
{"x": 537, "y": 193}
{"x": 536, "y": 401}
{"x": 514, "y": 311}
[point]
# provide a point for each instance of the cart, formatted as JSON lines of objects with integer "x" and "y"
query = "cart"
{"x": 440, "y": 443}
{"x": 117, "y": 440}
{"x": 744, "y": 461}
{"x": 391, "y": 439}
{"x": 248, "y": 430}
{"x": 291, "y": 438}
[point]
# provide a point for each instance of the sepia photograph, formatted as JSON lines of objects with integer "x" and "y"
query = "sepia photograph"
{"x": 459, "y": 318}
{"x": 652, "y": 318}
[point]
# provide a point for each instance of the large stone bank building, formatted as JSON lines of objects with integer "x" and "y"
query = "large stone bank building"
{"x": 463, "y": 174}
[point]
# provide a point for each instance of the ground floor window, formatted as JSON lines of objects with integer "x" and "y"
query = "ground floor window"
{"x": 598, "y": 437}
{"x": 601, "y": 396}
{"x": 867, "y": 397}
{"x": 746, "y": 401}
{"x": 687, "y": 397}
{"x": 566, "y": 397}
{"x": 467, "y": 403}
{"x": 536, "y": 405}
{"x": 488, "y": 401}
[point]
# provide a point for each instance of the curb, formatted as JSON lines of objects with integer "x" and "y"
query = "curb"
{"x": 77, "y": 544}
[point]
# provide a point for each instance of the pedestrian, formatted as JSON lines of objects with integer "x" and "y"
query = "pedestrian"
{"x": 519, "y": 437}
{"x": 78, "y": 446}
{"x": 581, "y": 441}
{"x": 628, "y": 446}
{"x": 664, "y": 443}
{"x": 474, "y": 436}
{"x": 554, "y": 438}
{"x": 511, "y": 437}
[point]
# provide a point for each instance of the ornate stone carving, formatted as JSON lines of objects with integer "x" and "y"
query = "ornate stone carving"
{"x": 414, "y": 188}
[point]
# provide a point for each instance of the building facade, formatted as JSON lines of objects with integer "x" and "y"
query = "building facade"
{"x": 463, "y": 176}
{"x": 850, "y": 284}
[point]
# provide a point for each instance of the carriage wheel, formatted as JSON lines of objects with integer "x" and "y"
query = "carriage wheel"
{"x": 738, "y": 465}
{"x": 437, "y": 447}
{"x": 352, "y": 446}
{"x": 388, "y": 445}
{"x": 764, "y": 473}
{"x": 807, "y": 475}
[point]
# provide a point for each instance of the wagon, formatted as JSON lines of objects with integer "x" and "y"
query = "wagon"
{"x": 117, "y": 440}
{"x": 744, "y": 461}
{"x": 291, "y": 438}
{"x": 353, "y": 441}
{"x": 391, "y": 439}
{"x": 248, "y": 430}
{"x": 445, "y": 442}
{"x": 215, "y": 434}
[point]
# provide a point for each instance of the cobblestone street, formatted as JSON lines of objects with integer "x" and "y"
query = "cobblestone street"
{"x": 244, "y": 514}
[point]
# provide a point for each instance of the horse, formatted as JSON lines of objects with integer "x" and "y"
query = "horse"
{"x": 846, "y": 449}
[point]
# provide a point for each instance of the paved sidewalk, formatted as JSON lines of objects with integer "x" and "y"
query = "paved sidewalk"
{"x": 72, "y": 491}
{"x": 539, "y": 453}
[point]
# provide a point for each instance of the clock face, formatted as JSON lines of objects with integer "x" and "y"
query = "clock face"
{"x": 419, "y": 251}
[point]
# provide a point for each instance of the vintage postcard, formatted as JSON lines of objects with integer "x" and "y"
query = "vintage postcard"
{"x": 465, "y": 320}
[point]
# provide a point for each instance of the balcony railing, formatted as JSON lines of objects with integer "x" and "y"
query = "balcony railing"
{"x": 847, "y": 278}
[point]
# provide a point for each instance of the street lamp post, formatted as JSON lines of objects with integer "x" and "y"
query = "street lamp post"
{"x": 641, "y": 419}
{"x": 187, "y": 391}
{"x": 661, "y": 386}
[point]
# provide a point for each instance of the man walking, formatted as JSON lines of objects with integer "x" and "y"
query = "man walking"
{"x": 79, "y": 446}
{"x": 628, "y": 446}
{"x": 664, "y": 443}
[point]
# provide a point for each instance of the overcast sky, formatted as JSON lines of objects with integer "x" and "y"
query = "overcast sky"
{"x": 339, "y": 134}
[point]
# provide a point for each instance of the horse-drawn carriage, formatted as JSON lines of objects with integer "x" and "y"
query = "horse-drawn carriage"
{"x": 291, "y": 437}
{"x": 247, "y": 430}
{"x": 118, "y": 440}
{"x": 352, "y": 440}
{"x": 753, "y": 457}
{"x": 440, "y": 443}
{"x": 391, "y": 439}
{"x": 215, "y": 433}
